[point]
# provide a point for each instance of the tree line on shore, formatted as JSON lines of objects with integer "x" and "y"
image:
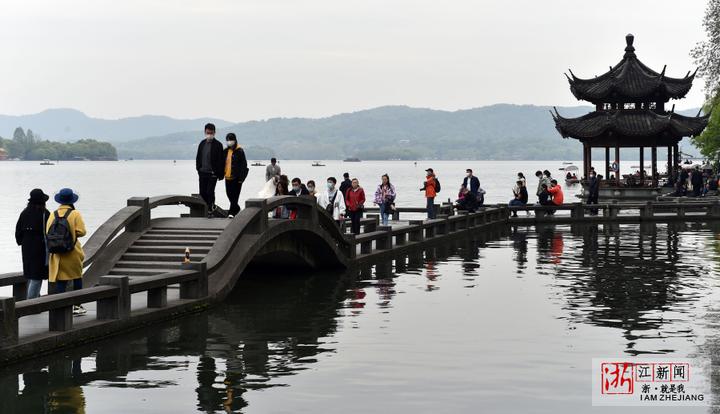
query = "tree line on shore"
{"x": 25, "y": 145}
{"x": 707, "y": 57}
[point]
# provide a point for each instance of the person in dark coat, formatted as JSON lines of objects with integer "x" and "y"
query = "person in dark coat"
{"x": 468, "y": 202}
{"x": 345, "y": 185}
{"x": 593, "y": 191}
{"x": 236, "y": 171}
{"x": 473, "y": 184}
{"x": 210, "y": 165}
{"x": 697, "y": 181}
{"x": 30, "y": 234}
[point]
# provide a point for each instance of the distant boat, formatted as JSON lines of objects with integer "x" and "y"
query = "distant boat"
{"x": 257, "y": 164}
{"x": 47, "y": 162}
{"x": 351, "y": 159}
{"x": 573, "y": 179}
{"x": 317, "y": 164}
{"x": 567, "y": 162}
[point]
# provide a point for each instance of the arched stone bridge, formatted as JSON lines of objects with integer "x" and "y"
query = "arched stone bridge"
{"x": 134, "y": 274}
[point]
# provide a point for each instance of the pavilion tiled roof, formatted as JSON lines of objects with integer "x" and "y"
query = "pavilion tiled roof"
{"x": 630, "y": 81}
{"x": 629, "y": 123}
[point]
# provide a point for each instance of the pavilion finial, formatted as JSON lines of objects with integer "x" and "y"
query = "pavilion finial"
{"x": 629, "y": 49}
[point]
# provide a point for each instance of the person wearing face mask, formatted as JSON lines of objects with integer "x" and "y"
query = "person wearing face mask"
{"x": 210, "y": 165}
{"x": 236, "y": 171}
{"x": 472, "y": 183}
{"x": 332, "y": 200}
{"x": 311, "y": 188}
{"x": 298, "y": 188}
{"x": 593, "y": 191}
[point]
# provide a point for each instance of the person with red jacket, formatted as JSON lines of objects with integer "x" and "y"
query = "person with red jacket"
{"x": 430, "y": 187}
{"x": 355, "y": 202}
{"x": 556, "y": 193}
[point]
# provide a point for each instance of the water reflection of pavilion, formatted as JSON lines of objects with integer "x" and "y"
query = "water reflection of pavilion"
{"x": 621, "y": 277}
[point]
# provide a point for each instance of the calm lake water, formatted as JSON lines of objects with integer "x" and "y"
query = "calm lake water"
{"x": 506, "y": 321}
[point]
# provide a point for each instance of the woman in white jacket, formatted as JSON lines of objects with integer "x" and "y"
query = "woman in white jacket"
{"x": 332, "y": 200}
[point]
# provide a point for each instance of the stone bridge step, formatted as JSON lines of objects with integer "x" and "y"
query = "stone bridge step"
{"x": 179, "y": 242}
{"x": 136, "y": 272}
{"x": 184, "y": 232}
{"x": 137, "y": 264}
{"x": 168, "y": 249}
{"x": 160, "y": 257}
{"x": 147, "y": 236}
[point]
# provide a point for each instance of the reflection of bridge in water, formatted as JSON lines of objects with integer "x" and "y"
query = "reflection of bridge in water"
{"x": 133, "y": 261}
{"x": 260, "y": 335}
{"x": 133, "y": 264}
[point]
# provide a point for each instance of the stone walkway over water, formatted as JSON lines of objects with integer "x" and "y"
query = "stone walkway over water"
{"x": 135, "y": 275}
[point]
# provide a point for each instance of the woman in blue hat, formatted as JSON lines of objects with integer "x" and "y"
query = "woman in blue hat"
{"x": 67, "y": 266}
{"x": 30, "y": 234}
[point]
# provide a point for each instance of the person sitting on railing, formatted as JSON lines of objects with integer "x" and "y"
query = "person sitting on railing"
{"x": 544, "y": 198}
{"x": 556, "y": 193}
{"x": 542, "y": 179}
{"x": 520, "y": 196}
{"x": 66, "y": 253}
{"x": 468, "y": 202}
{"x": 30, "y": 234}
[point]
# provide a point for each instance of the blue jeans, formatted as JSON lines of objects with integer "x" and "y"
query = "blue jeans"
{"x": 516, "y": 202}
{"x": 61, "y": 285}
{"x": 431, "y": 207}
{"x": 33, "y": 288}
{"x": 383, "y": 214}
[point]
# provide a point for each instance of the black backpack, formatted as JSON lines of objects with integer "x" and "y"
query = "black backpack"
{"x": 437, "y": 185}
{"x": 59, "y": 237}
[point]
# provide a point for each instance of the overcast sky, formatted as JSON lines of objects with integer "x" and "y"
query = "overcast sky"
{"x": 256, "y": 59}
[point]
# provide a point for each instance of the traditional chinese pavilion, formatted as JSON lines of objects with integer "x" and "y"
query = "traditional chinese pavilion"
{"x": 631, "y": 112}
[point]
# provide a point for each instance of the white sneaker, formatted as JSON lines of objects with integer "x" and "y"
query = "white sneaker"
{"x": 79, "y": 310}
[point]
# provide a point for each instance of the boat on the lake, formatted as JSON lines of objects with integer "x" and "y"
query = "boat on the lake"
{"x": 47, "y": 162}
{"x": 351, "y": 159}
{"x": 571, "y": 177}
{"x": 317, "y": 164}
{"x": 257, "y": 164}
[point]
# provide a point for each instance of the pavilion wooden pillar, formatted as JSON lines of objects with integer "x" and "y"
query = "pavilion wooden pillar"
{"x": 642, "y": 165}
{"x": 671, "y": 177}
{"x": 617, "y": 162}
{"x": 586, "y": 159}
{"x": 607, "y": 163}
{"x": 653, "y": 171}
{"x": 676, "y": 158}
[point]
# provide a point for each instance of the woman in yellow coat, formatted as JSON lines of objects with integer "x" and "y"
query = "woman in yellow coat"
{"x": 65, "y": 267}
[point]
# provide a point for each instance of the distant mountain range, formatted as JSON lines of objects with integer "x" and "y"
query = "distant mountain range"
{"x": 500, "y": 132}
{"x": 71, "y": 125}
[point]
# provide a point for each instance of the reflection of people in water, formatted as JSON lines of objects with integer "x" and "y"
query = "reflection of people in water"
{"x": 431, "y": 275}
{"x": 556, "y": 247}
{"x": 520, "y": 246}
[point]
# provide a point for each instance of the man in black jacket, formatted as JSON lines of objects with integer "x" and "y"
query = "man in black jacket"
{"x": 210, "y": 166}
{"x": 236, "y": 172}
{"x": 593, "y": 192}
{"x": 346, "y": 184}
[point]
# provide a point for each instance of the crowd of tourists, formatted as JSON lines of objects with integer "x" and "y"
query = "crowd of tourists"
{"x": 696, "y": 182}
{"x": 51, "y": 250}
